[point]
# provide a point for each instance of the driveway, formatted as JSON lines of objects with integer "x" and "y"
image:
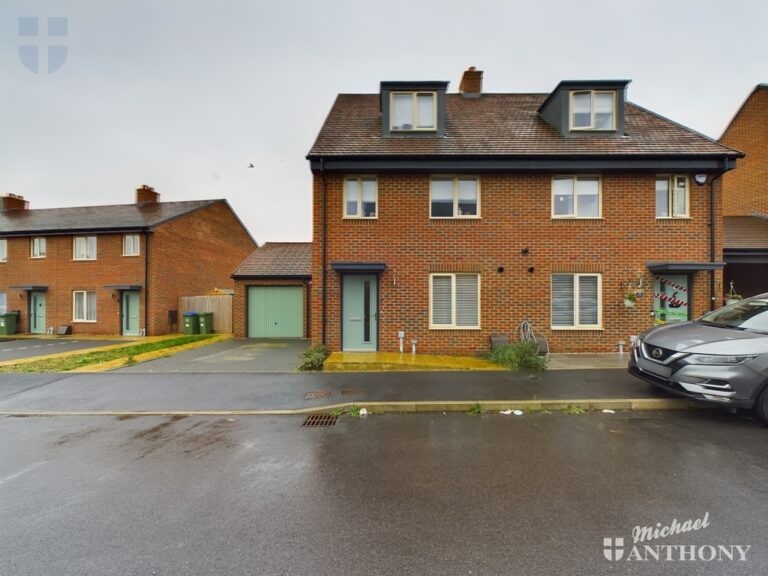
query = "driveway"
{"x": 253, "y": 355}
{"x": 29, "y": 347}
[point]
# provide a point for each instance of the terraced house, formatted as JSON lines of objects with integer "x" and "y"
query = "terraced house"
{"x": 443, "y": 218}
{"x": 116, "y": 269}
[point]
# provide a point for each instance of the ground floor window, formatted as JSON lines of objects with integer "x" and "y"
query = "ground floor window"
{"x": 670, "y": 298}
{"x": 84, "y": 306}
{"x": 454, "y": 301}
{"x": 3, "y": 302}
{"x": 576, "y": 301}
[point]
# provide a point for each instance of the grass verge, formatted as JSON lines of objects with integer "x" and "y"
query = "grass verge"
{"x": 75, "y": 361}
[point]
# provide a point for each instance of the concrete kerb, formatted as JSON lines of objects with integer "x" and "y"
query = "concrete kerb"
{"x": 412, "y": 407}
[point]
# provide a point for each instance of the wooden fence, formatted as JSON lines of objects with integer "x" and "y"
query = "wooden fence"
{"x": 221, "y": 306}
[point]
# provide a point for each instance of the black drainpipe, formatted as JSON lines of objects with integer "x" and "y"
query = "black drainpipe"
{"x": 712, "y": 230}
{"x": 146, "y": 283}
{"x": 325, "y": 251}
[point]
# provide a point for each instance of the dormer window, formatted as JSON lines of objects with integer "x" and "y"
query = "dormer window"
{"x": 413, "y": 111}
{"x": 593, "y": 110}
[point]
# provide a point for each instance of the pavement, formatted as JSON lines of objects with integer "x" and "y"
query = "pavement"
{"x": 33, "y": 347}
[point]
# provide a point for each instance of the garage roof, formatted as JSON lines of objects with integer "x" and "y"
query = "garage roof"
{"x": 278, "y": 260}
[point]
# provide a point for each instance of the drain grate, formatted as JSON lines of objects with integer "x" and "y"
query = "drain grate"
{"x": 351, "y": 391}
{"x": 315, "y": 420}
{"x": 317, "y": 394}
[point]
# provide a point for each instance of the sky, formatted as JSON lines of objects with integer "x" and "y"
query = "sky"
{"x": 183, "y": 95}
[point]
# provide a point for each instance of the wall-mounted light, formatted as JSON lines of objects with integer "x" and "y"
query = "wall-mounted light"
{"x": 700, "y": 179}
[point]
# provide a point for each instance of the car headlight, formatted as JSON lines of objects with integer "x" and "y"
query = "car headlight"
{"x": 718, "y": 359}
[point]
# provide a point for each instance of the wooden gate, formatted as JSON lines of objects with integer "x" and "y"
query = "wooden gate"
{"x": 221, "y": 306}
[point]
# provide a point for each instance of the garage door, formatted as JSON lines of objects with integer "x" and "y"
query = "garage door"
{"x": 275, "y": 312}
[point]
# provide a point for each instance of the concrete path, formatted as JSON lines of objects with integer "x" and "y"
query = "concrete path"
{"x": 30, "y": 347}
{"x": 253, "y": 355}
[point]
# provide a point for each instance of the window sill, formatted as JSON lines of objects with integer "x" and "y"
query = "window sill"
{"x": 83, "y": 259}
{"x": 454, "y": 327}
{"x": 37, "y": 257}
{"x": 572, "y": 218}
{"x": 131, "y": 255}
{"x": 84, "y": 321}
{"x": 452, "y": 218}
{"x": 672, "y": 218}
{"x": 363, "y": 218}
{"x": 578, "y": 328}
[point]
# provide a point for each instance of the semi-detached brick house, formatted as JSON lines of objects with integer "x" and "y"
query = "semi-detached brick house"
{"x": 116, "y": 269}
{"x": 446, "y": 218}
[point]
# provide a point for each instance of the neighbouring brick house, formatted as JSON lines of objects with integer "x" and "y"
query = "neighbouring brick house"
{"x": 445, "y": 218}
{"x": 745, "y": 198}
{"x": 116, "y": 269}
{"x": 272, "y": 292}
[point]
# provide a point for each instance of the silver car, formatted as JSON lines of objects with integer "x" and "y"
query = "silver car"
{"x": 721, "y": 358}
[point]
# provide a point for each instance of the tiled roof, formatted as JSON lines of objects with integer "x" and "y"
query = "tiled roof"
{"x": 745, "y": 232}
{"x": 278, "y": 259}
{"x": 504, "y": 125}
{"x": 96, "y": 218}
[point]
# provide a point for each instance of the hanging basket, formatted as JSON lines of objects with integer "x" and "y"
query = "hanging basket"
{"x": 629, "y": 303}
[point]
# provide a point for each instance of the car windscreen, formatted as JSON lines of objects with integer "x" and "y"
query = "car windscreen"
{"x": 750, "y": 314}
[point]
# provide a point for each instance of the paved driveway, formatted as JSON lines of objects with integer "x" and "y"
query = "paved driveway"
{"x": 253, "y": 355}
{"x": 29, "y": 347}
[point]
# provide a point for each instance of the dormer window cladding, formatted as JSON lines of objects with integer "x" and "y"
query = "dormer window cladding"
{"x": 413, "y": 111}
{"x": 593, "y": 110}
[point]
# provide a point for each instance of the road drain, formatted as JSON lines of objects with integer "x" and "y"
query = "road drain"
{"x": 315, "y": 420}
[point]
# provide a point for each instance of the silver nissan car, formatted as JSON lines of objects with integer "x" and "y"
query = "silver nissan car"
{"x": 721, "y": 358}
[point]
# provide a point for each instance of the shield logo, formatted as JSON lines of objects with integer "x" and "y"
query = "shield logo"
{"x": 51, "y": 46}
{"x": 613, "y": 549}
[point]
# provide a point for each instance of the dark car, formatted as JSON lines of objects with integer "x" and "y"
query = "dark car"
{"x": 720, "y": 358}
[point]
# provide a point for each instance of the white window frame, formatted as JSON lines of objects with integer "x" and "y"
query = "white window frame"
{"x": 136, "y": 244}
{"x": 414, "y": 108}
{"x": 3, "y": 302}
{"x": 455, "y": 180}
{"x": 672, "y": 196}
{"x": 37, "y": 247}
{"x": 453, "y": 325}
{"x": 576, "y": 178}
{"x": 576, "y": 324}
{"x": 3, "y": 249}
{"x": 593, "y": 94}
{"x": 85, "y": 306}
{"x": 86, "y": 239}
{"x": 360, "y": 180}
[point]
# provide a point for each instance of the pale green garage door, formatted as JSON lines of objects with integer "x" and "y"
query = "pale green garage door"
{"x": 275, "y": 312}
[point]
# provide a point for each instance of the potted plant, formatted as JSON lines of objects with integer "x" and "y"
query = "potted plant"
{"x": 630, "y": 298}
{"x": 732, "y": 295}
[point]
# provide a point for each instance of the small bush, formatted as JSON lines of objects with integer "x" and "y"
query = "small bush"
{"x": 519, "y": 356}
{"x": 475, "y": 409}
{"x": 312, "y": 359}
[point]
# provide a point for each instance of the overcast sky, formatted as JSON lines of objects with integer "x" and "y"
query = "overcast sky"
{"x": 182, "y": 95}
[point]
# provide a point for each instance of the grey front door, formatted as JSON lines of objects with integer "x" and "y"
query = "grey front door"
{"x": 130, "y": 313}
{"x": 359, "y": 312}
{"x": 37, "y": 312}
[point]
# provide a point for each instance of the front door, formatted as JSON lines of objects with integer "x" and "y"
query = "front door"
{"x": 130, "y": 313}
{"x": 37, "y": 312}
{"x": 359, "y": 312}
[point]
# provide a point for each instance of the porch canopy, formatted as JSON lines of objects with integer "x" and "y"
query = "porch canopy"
{"x": 360, "y": 267}
{"x": 684, "y": 267}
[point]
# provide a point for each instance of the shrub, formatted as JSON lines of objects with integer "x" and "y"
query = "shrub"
{"x": 312, "y": 359}
{"x": 519, "y": 356}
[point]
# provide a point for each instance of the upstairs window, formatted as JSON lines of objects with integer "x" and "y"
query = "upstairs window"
{"x": 671, "y": 196}
{"x": 413, "y": 111}
{"x": 576, "y": 197}
{"x": 37, "y": 247}
{"x": 454, "y": 197}
{"x": 360, "y": 197}
{"x": 131, "y": 245}
{"x": 84, "y": 248}
{"x": 3, "y": 249}
{"x": 593, "y": 110}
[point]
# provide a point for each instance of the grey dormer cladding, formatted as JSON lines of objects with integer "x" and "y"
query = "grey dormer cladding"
{"x": 438, "y": 86}
{"x": 555, "y": 110}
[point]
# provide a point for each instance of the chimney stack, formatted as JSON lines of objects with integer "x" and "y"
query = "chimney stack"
{"x": 471, "y": 85}
{"x": 146, "y": 195}
{"x": 13, "y": 202}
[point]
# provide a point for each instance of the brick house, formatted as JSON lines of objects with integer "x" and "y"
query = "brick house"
{"x": 116, "y": 269}
{"x": 449, "y": 217}
{"x": 272, "y": 292}
{"x": 745, "y": 198}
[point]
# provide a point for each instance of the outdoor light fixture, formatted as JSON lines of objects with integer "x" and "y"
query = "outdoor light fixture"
{"x": 700, "y": 179}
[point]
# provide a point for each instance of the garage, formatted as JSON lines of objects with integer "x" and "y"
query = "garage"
{"x": 275, "y": 312}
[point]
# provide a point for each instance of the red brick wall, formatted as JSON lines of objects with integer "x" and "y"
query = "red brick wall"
{"x": 63, "y": 275}
{"x": 744, "y": 188}
{"x": 190, "y": 256}
{"x": 240, "y": 303}
{"x": 515, "y": 214}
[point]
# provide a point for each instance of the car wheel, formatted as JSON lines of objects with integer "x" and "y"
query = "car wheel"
{"x": 760, "y": 410}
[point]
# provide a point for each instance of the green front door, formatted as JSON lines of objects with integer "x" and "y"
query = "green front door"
{"x": 130, "y": 313}
{"x": 275, "y": 312}
{"x": 359, "y": 312}
{"x": 37, "y": 312}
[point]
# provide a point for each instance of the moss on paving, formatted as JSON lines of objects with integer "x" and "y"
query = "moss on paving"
{"x": 84, "y": 359}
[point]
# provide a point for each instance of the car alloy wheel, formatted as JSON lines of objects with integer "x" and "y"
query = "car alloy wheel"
{"x": 761, "y": 406}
